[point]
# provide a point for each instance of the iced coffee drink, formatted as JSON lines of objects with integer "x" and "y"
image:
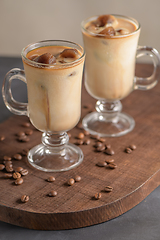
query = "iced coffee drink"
{"x": 110, "y": 44}
{"x": 54, "y": 76}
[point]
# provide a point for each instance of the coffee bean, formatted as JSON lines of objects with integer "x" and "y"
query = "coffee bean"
{"x": 98, "y": 144}
{"x": 51, "y": 179}
{"x": 8, "y": 163}
{"x": 18, "y": 181}
{"x": 70, "y": 181}
{"x": 109, "y": 151}
{"x": 102, "y": 140}
{"x": 128, "y": 150}
{"x": 86, "y": 133}
{"x": 79, "y": 142}
{"x": 9, "y": 169}
{"x": 81, "y": 135}
{"x": 100, "y": 149}
{"x": 108, "y": 189}
{"x": 29, "y": 132}
{"x": 101, "y": 164}
{"x": 26, "y": 124}
{"x": 112, "y": 165}
{"x": 97, "y": 196}
{"x": 77, "y": 178}
{"x": 24, "y": 172}
{"x": 107, "y": 145}
{"x": 23, "y": 139}
{"x": 132, "y": 147}
{"x": 87, "y": 142}
{"x": 16, "y": 175}
{"x": 96, "y": 137}
{"x": 25, "y": 152}
{"x": 17, "y": 156}
{"x": 52, "y": 193}
{"x": 24, "y": 198}
{"x": 7, "y": 158}
{"x": 8, "y": 175}
{"x": 2, "y": 166}
{"x": 2, "y": 138}
{"x": 18, "y": 169}
{"x": 20, "y": 134}
{"x": 109, "y": 161}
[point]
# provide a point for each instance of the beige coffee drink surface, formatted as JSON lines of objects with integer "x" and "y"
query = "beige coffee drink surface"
{"x": 54, "y": 88}
{"x": 110, "y": 43}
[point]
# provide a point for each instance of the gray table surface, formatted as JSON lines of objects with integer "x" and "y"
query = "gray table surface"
{"x": 140, "y": 223}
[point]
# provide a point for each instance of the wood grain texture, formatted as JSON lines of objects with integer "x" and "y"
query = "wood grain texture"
{"x": 136, "y": 176}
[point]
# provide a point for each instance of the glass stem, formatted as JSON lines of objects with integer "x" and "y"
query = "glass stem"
{"x": 52, "y": 140}
{"x": 109, "y": 110}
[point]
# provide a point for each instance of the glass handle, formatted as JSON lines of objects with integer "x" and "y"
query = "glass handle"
{"x": 13, "y": 105}
{"x": 148, "y": 82}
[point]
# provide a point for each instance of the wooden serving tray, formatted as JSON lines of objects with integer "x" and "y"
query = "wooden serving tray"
{"x": 136, "y": 176}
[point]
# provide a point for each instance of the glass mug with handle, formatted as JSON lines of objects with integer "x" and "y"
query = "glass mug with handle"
{"x": 110, "y": 43}
{"x": 53, "y": 73}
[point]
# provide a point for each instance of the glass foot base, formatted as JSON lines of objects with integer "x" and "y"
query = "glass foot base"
{"x": 98, "y": 124}
{"x": 50, "y": 159}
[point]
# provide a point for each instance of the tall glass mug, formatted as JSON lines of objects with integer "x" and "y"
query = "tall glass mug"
{"x": 53, "y": 74}
{"x": 110, "y": 43}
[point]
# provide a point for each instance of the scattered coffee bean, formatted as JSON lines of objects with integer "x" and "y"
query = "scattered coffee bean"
{"x": 71, "y": 181}
{"x": 109, "y": 151}
{"x": 112, "y": 165}
{"x": 52, "y": 193}
{"x": 8, "y": 175}
{"x": 87, "y": 142}
{"x": 101, "y": 164}
{"x": 2, "y": 166}
{"x": 102, "y": 140}
{"x": 26, "y": 124}
{"x": 18, "y": 169}
{"x": 107, "y": 145}
{"x": 109, "y": 161}
{"x": 132, "y": 147}
{"x": 79, "y": 142}
{"x": 16, "y": 175}
{"x": 25, "y": 152}
{"x": 24, "y": 198}
{"x": 9, "y": 169}
{"x": 18, "y": 181}
{"x": 8, "y": 163}
{"x": 128, "y": 150}
{"x": 86, "y": 133}
{"x": 98, "y": 144}
{"x": 100, "y": 149}
{"x": 17, "y": 156}
{"x": 24, "y": 172}
{"x": 108, "y": 189}
{"x": 29, "y": 132}
{"x": 51, "y": 179}
{"x": 23, "y": 139}
{"x": 2, "y": 138}
{"x": 81, "y": 135}
{"x": 97, "y": 196}
{"x": 20, "y": 134}
{"x": 77, "y": 178}
{"x": 96, "y": 137}
{"x": 7, "y": 158}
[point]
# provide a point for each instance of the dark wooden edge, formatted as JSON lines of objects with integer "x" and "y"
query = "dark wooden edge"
{"x": 61, "y": 221}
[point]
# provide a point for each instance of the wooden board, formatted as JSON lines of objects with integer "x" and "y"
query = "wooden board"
{"x": 137, "y": 174}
